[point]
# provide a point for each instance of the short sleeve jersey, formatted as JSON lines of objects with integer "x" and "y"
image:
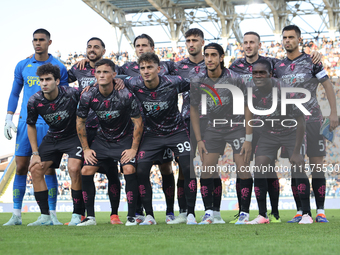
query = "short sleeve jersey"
{"x": 25, "y": 77}
{"x": 275, "y": 123}
{"x": 85, "y": 77}
{"x": 159, "y": 105}
{"x": 302, "y": 73}
{"x": 59, "y": 114}
{"x": 244, "y": 69}
{"x": 219, "y": 100}
{"x": 183, "y": 68}
{"x": 114, "y": 112}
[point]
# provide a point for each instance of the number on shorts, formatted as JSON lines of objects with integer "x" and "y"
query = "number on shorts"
{"x": 80, "y": 150}
{"x": 236, "y": 143}
{"x": 183, "y": 146}
{"x": 322, "y": 145}
{"x": 167, "y": 153}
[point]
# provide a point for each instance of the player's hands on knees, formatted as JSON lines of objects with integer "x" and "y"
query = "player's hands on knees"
{"x": 128, "y": 155}
{"x": 297, "y": 161}
{"x": 334, "y": 121}
{"x": 81, "y": 64}
{"x": 8, "y": 126}
{"x": 201, "y": 149}
{"x": 119, "y": 84}
{"x": 316, "y": 57}
{"x": 246, "y": 150}
{"x": 90, "y": 156}
{"x": 35, "y": 160}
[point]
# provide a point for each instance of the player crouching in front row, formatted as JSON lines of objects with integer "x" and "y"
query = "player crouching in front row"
{"x": 57, "y": 106}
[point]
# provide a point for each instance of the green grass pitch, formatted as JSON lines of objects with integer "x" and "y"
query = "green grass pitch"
{"x": 284, "y": 238}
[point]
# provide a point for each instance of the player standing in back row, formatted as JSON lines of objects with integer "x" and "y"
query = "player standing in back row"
{"x": 25, "y": 78}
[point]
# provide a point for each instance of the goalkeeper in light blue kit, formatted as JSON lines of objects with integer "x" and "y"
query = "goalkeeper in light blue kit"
{"x": 25, "y": 78}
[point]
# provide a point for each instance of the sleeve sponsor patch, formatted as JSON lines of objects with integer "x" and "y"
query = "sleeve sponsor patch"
{"x": 321, "y": 74}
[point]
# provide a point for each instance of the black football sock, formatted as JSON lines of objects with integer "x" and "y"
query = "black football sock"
{"x": 182, "y": 203}
{"x": 113, "y": 187}
{"x": 144, "y": 186}
{"x": 296, "y": 194}
{"x": 169, "y": 191}
{"x": 78, "y": 203}
{"x": 42, "y": 200}
{"x": 89, "y": 192}
{"x": 319, "y": 188}
{"x": 246, "y": 186}
{"x": 217, "y": 194}
{"x": 303, "y": 189}
{"x": 131, "y": 190}
{"x": 207, "y": 188}
{"x": 190, "y": 183}
{"x": 238, "y": 193}
{"x": 260, "y": 189}
{"x": 274, "y": 192}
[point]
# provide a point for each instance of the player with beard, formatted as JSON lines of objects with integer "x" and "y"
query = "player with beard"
{"x": 164, "y": 129}
{"x": 243, "y": 66}
{"x": 57, "y": 106}
{"x": 119, "y": 134}
{"x": 143, "y": 44}
{"x": 274, "y": 135}
{"x": 298, "y": 70}
{"x": 216, "y": 136}
{"x": 25, "y": 78}
{"x": 194, "y": 41}
{"x": 95, "y": 51}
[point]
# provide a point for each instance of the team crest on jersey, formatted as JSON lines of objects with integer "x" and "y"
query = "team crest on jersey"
{"x": 153, "y": 95}
{"x": 106, "y": 103}
{"x": 197, "y": 69}
{"x": 93, "y": 71}
{"x": 250, "y": 68}
{"x": 292, "y": 67}
{"x": 53, "y": 106}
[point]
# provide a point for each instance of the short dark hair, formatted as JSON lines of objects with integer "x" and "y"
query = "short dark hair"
{"x": 264, "y": 62}
{"x": 144, "y": 36}
{"x": 105, "y": 61}
{"x": 217, "y": 47}
{"x": 195, "y": 32}
{"x": 253, "y": 33}
{"x": 292, "y": 27}
{"x": 96, "y": 38}
{"x": 148, "y": 57}
{"x": 49, "y": 69}
{"x": 42, "y": 31}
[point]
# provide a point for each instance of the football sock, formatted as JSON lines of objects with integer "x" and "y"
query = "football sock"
{"x": 131, "y": 190}
{"x": 42, "y": 200}
{"x": 217, "y": 195}
{"x": 260, "y": 188}
{"x": 144, "y": 186}
{"x": 77, "y": 198}
{"x": 207, "y": 188}
{"x": 169, "y": 191}
{"x": 52, "y": 186}
{"x": 182, "y": 203}
{"x": 245, "y": 186}
{"x": 274, "y": 192}
{"x": 19, "y": 188}
{"x": 319, "y": 188}
{"x": 296, "y": 194}
{"x": 89, "y": 192}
